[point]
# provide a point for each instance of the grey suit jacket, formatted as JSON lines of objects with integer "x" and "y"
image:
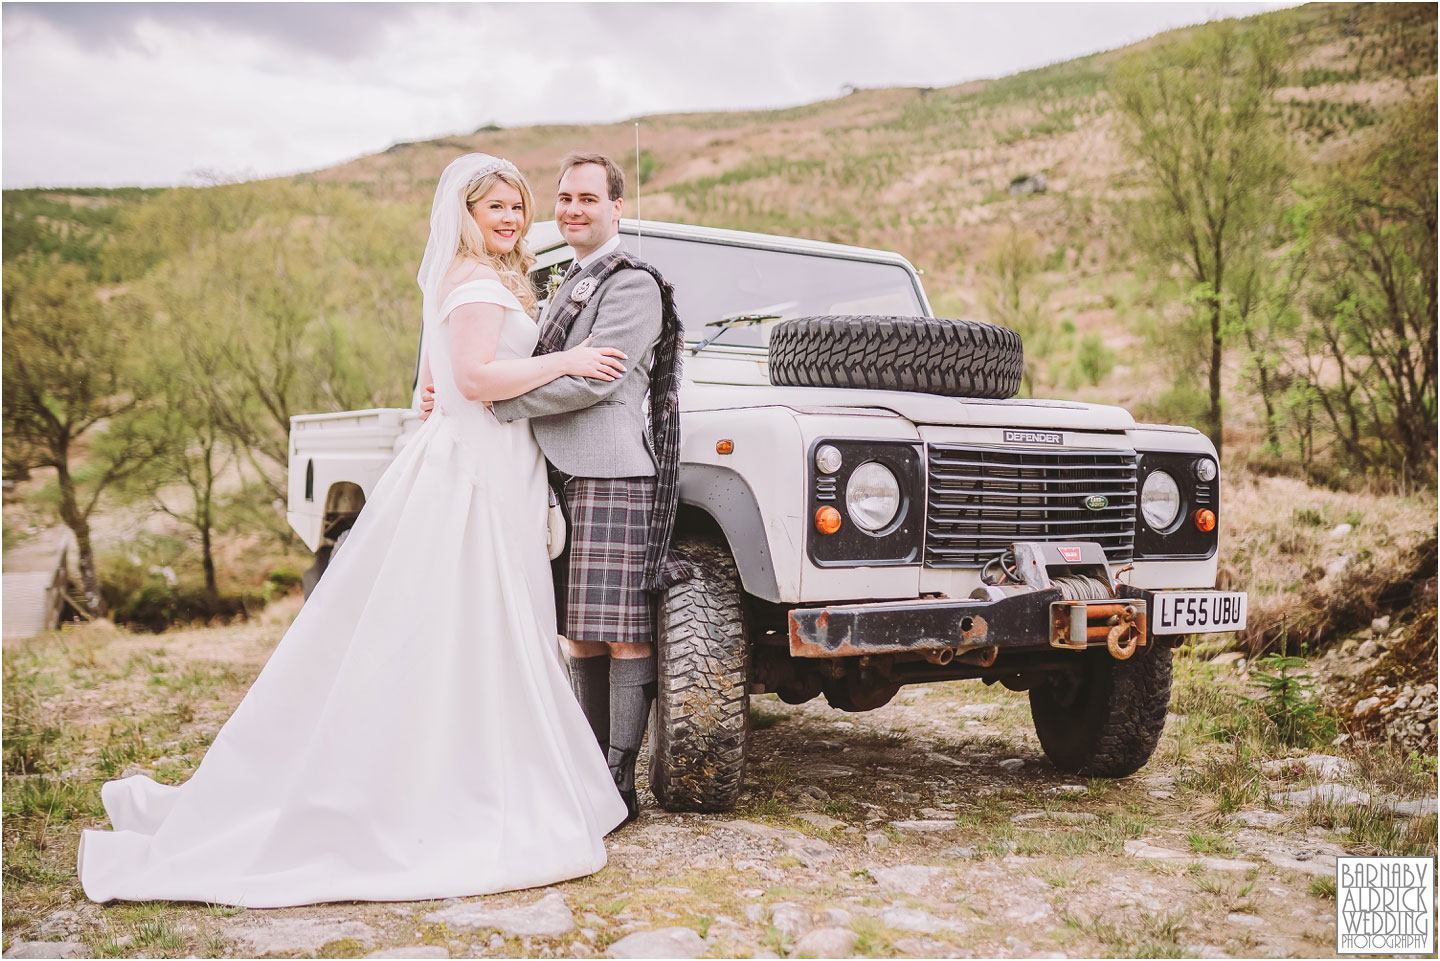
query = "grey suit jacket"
{"x": 598, "y": 428}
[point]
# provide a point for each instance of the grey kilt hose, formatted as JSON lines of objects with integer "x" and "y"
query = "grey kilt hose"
{"x": 604, "y": 563}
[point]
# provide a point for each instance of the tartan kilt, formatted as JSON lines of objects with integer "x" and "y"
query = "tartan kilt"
{"x": 604, "y": 561}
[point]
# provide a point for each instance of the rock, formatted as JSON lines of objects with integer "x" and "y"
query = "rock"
{"x": 1068, "y": 789}
{"x": 660, "y": 943}
{"x": 1365, "y": 706}
{"x": 1023, "y": 910}
{"x": 496, "y": 942}
{"x": 929, "y": 948}
{"x": 834, "y": 942}
{"x": 1149, "y": 851}
{"x": 1059, "y": 817}
{"x": 1326, "y": 767}
{"x": 907, "y": 797}
{"x": 1262, "y": 819}
{"x": 304, "y": 935}
{"x": 1409, "y": 809}
{"x": 824, "y": 744}
{"x": 415, "y": 951}
{"x": 548, "y": 917}
{"x": 1307, "y": 857}
{"x": 755, "y": 913}
{"x": 913, "y": 919}
{"x": 821, "y": 821}
{"x": 1161, "y": 795}
{"x": 753, "y": 829}
{"x": 925, "y": 826}
{"x": 1341, "y": 530}
{"x": 790, "y": 918}
{"x": 812, "y": 852}
{"x": 835, "y": 918}
{"x": 136, "y": 770}
{"x": 48, "y": 949}
{"x": 1340, "y": 794}
{"x": 877, "y": 839}
{"x": 909, "y": 878}
{"x": 1381, "y": 624}
{"x": 1245, "y": 920}
{"x": 1230, "y": 657}
{"x": 1012, "y": 764}
{"x": 1338, "y": 565}
{"x": 939, "y": 758}
{"x": 961, "y": 852}
{"x": 978, "y": 710}
{"x": 1369, "y": 650}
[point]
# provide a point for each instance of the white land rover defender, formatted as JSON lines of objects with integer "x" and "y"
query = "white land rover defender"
{"x": 866, "y": 507}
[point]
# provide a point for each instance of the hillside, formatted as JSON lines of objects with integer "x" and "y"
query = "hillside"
{"x": 329, "y": 257}
{"x": 924, "y": 171}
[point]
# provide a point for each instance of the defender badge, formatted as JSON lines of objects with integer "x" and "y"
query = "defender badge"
{"x": 1097, "y": 502}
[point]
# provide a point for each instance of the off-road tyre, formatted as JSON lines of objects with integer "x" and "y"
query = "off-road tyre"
{"x": 957, "y": 358}
{"x": 700, "y": 728}
{"x": 1110, "y": 723}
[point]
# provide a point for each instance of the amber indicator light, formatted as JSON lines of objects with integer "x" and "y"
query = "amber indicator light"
{"x": 724, "y": 447}
{"x": 827, "y": 520}
{"x": 1205, "y": 520}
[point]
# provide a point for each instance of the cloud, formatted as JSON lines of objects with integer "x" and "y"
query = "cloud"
{"x": 341, "y": 31}
{"x": 111, "y": 94}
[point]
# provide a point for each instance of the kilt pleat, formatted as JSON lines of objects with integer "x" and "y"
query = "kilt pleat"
{"x": 609, "y": 526}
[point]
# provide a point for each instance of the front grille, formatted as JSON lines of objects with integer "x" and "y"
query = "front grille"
{"x": 983, "y": 499}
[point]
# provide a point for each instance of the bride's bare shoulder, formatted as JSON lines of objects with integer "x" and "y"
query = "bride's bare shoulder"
{"x": 465, "y": 270}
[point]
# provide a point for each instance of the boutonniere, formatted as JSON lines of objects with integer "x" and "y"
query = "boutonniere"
{"x": 581, "y": 292}
{"x": 553, "y": 281}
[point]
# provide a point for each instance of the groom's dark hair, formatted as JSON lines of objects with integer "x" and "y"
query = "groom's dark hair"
{"x": 614, "y": 176}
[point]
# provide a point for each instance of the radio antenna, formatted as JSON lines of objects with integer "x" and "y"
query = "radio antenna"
{"x": 639, "y": 240}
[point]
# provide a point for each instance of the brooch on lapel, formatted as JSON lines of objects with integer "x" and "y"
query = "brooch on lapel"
{"x": 582, "y": 290}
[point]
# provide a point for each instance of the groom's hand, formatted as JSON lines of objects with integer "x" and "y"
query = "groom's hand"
{"x": 427, "y": 401}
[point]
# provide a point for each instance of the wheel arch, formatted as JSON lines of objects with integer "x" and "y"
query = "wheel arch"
{"x": 343, "y": 502}
{"x": 719, "y": 501}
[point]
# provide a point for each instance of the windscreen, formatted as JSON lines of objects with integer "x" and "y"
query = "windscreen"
{"x": 713, "y": 281}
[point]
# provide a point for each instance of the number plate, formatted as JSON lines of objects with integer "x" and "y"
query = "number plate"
{"x": 1197, "y": 612}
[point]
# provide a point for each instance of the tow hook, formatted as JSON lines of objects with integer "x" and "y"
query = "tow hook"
{"x": 1121, "y": 640}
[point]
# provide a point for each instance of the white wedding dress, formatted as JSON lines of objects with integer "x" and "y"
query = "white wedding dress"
{"x": 414, "y": 735}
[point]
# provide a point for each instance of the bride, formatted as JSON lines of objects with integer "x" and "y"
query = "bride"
{"x": 414, "y": 735}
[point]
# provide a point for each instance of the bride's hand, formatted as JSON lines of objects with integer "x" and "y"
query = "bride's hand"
{"x": 599, "y": 363}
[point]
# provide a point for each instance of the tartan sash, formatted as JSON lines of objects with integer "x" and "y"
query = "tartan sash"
{"x": 663, "y": 568}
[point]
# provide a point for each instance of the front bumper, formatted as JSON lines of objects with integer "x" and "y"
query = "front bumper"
{"x": 1030, "y": 620}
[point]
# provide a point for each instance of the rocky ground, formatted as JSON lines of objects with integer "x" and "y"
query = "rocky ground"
{"x": 932, "y": 827}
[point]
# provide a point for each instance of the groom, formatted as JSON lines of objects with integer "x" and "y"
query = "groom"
{"x": 613, "y": 448}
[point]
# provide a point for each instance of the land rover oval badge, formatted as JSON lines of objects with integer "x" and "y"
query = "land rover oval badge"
{"x": 1097, "y": 502}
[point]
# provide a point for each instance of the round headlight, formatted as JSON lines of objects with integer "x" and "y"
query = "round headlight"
{"x": 1205, "y": 469}
{"x": 827, "y": 459}
{"x": 873, "y": 496}
{"x": 1160, "y": 500}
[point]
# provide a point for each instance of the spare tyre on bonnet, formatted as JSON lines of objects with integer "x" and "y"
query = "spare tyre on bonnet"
{"x": 956, "y": 358}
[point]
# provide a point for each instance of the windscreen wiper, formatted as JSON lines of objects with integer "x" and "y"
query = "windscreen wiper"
{"x": 732, "y": 320}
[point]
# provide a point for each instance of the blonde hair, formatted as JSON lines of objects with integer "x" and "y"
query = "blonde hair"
{"x": 513, "y": 266}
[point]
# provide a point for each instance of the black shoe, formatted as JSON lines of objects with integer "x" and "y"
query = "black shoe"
{"x": 622, "y": 769}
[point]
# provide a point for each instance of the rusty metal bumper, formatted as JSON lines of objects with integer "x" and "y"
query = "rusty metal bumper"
{"x": 1019, "y": 622}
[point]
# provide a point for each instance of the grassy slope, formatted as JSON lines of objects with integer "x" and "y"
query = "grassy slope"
{"x": 925, "y": 172}
{"x": 921, "y": 171}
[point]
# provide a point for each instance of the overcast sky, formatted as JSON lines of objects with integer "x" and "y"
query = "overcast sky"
{"x": 112, "y": 94}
